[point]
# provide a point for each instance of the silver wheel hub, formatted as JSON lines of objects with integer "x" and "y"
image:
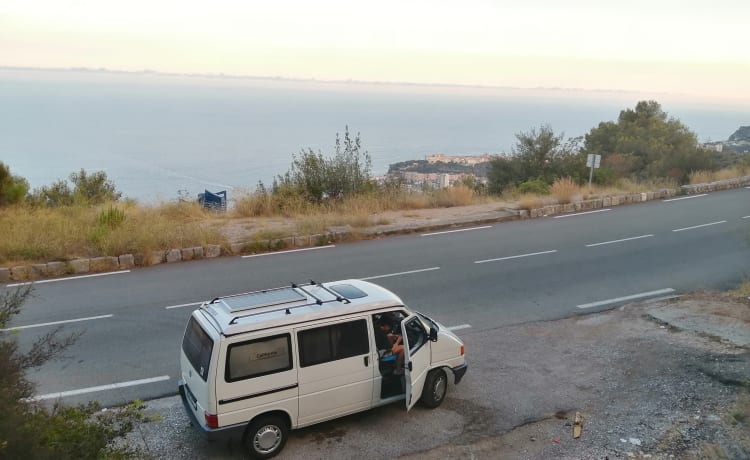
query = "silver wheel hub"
{"x": 267, "y": 439}
{"x": 438, "y": 390}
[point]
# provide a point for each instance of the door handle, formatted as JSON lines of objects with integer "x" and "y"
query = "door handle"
{"x": 367, "y": 361}
{"x": 409, "y": 366}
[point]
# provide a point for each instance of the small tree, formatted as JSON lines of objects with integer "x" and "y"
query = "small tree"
{"x": 13, "y": 189}
{"x": 88, "y": 189}
{"x": 29, "y": 430}
{"x": 316, "y": 177}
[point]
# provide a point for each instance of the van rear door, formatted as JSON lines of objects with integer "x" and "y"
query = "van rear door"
{"x": 195, "y": 364}
{"x": 416, "y": 358}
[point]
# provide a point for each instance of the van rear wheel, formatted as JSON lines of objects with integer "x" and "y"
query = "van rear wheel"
{"x": 266, "y": 436}
{"x": 435, "y": 388}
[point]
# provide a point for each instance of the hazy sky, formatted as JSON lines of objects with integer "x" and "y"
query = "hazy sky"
{"x": 694, "y": 47}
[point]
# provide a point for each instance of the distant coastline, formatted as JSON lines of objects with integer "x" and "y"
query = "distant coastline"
{"x": 576, "y": 92}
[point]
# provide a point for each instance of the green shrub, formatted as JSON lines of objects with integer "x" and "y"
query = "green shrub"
{"x": 535, "y": 186}
{"x": 112, "y": 217}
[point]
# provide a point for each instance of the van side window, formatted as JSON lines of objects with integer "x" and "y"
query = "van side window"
{"x": 258, "y": 357}
{"x": 330, "y": 343}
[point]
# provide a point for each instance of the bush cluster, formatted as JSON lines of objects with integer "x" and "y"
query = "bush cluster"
{"x": 30, "y": 430}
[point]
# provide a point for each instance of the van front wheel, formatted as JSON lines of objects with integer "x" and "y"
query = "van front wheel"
{"x": 266, "y": 436}
{"x": 435, "y": 388}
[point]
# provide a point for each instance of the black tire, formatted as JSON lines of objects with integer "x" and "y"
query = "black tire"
{"x": 266, "y": 436}
{"x": 435, "y": 388}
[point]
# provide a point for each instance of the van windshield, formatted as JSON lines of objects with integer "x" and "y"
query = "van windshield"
{"x": 197, "y": 346}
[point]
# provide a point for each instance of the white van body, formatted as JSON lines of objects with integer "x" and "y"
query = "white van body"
{"x": 262, "y": 363}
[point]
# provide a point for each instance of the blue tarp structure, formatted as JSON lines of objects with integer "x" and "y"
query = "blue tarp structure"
{"x": 216, "y": 201}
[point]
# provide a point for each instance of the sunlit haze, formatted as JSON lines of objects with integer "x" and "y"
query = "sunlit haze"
{"x": 693, "y": 48}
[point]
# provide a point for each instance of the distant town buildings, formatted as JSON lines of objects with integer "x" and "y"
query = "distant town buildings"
{"x": 469, "y": 160}
{"x": 439, "y": 170}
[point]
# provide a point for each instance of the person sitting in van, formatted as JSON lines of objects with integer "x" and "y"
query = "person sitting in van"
{"x": 385, "y": 339}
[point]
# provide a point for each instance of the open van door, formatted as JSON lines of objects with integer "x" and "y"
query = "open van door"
{"x": 416, "y": 358}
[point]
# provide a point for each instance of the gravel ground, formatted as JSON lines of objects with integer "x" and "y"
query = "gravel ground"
{"x": 646, "y": 388}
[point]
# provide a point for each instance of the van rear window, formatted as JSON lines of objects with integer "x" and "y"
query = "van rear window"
{"x": 197, "y": 346}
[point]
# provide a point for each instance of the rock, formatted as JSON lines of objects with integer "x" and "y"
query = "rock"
{"x": 212, "y": 250}
{"x": 103, "y": 264}
{"x": 173, "y": 255}
{"x": 126, "y": 261}
{"x": 20, "y": 273}
{"x": 198, "y": 252}
{"x": 57, "y": 268}
{"x": 187, "y": 253}
{"x": 39, "y": 271}
{"x": 4, "y": 275}
{"x": 156, "y": 257}
{"x": 79, "y": 266}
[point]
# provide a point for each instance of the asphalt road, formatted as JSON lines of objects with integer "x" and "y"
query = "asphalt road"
{"x": 478, "y": 278}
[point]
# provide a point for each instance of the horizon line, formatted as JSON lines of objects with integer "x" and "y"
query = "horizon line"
{"x": 222, "y": 75}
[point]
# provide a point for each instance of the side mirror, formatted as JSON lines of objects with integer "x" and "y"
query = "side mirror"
{"x": 433, "y": 334}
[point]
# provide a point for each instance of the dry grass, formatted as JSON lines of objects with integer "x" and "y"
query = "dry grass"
{"x": 743, "y": 290}
{"x": 45, "y": 234}
{"x": 703, "y": 177}
{"x": 457, "y": 195}
{"x": 566, "y": 190}
{"x": 531, "y": 201}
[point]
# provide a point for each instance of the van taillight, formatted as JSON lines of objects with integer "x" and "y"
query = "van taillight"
{"x": 212, "y": 420}
{"x": 462, "y": 350}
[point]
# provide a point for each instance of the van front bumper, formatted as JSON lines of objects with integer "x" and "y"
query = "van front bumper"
{"x": 458, "y": 372}
{"x": 212, "y": 434}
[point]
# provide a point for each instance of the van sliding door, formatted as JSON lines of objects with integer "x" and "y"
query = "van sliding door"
{"x": 335, "y": 370}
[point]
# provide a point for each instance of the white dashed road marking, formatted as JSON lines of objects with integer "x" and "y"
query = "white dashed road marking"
{"x": 289, "y": 251}
{"x": 112, "y": 386}
{"x": 457, "y": 231}
{"x": 619, "y": 241}
{"x": 684, "y": 198}
{"x": 401, "y": 273}
{"x": 700, "y": 226}
{"x": 515, "y": 257}
{"x": 623, "y": 299}
{"x": 70, "y": 278}
{"x": 55, "y": 323}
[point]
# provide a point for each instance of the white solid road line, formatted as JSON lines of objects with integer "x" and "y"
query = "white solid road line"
{"x": 515, "y": 257}
{"x": 289, "y": 251}
{"x": 400, "y": 273}
{"x": 112, "y": 386}
{"x": 55, "y": 323}
{"x": 581, "y": 213}
{"x": 457, "y": 231}
{"x": 183, "y": 305}
{"x": 684, "y": 198}
{"x": 746, "y": 217}
{"x": 618, "y": 241}
{"x": 55, "y": 280}
{"x": 699, "y": 226}
{"x": 622, "y": 299}
{"x": 459, "y": 327}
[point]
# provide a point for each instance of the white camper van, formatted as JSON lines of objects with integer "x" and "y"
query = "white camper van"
{"x": 256, "y": 365}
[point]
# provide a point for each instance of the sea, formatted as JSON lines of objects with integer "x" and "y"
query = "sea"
{"x": 160, "y": 137}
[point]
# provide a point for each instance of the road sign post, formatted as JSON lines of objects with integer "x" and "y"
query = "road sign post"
{"x": 592, "y": 161}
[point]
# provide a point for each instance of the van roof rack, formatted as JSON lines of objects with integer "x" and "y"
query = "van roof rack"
{"x": 285, "y": 298}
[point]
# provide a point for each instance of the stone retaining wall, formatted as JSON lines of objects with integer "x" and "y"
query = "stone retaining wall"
{"x": 127, "y": 261}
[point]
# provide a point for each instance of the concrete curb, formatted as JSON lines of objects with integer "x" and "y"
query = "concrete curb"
{"x": 337, "y": 234}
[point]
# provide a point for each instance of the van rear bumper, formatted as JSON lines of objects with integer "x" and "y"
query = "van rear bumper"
{"x": 212, "y": 434}
{"x": 458, "y": 372}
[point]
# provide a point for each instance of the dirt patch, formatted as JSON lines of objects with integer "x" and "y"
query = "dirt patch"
{"x": 644, "y": 388}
